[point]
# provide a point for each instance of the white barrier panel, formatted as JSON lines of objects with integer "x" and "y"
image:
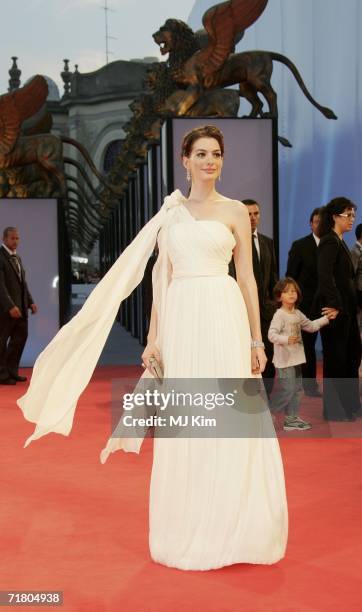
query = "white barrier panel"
{"x": 36, "y": 220}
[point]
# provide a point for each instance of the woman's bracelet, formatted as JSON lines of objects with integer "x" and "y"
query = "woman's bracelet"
{"x": 257, "y": 344}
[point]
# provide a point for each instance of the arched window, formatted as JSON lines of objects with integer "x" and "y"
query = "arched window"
{"x": 113, "y": 149}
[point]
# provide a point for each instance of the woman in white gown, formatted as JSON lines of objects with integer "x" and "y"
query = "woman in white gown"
{"x": 213, "y": 501}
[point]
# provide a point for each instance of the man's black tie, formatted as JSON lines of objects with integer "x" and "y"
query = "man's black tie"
{"x": 256, "y": 263}
{"x": 254, "y": 246}
{"x": 16, "y": 261}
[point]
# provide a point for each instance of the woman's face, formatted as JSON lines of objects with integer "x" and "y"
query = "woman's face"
{"x": 205, "y": 161}
{"x": 343, "y": 222}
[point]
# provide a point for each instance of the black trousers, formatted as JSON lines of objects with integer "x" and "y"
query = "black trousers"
{"x": 309, "y": 369}
{"x": 269, "y": 372}
{"x": 13, "y": 335}
{"x": 341, "y": 361}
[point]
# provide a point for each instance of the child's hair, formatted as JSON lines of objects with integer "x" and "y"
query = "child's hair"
{"x": 281, "y": 286}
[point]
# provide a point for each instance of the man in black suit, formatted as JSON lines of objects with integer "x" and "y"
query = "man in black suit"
{"x": 266, "y": 276}
{"x": 15, "y": 301}
{"x": 302, "y": 266}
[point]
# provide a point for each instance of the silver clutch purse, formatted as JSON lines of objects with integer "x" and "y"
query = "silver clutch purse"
{"x": 156, "y": 369}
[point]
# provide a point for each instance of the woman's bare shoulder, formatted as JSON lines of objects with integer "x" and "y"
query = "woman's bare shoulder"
{"x": 233, "y": 204}
{"x": 237, "y": 214}
{"x": 238, "y": 209}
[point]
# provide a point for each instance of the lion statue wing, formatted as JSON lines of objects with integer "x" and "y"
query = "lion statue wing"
{"x": 17, "y": 106}
{"x": 223, "y": 22}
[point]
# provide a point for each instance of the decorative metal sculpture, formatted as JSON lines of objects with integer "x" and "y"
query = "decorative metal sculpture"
{"x": 217, "y": 66}
{"x": 32, "y": 163}
{"x": 28, "y": 160}
{"x": 192, "y": 82}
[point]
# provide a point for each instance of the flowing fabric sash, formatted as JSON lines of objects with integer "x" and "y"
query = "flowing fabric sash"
{"x": 64, "y": 368}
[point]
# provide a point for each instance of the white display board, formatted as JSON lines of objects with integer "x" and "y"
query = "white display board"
{"x": 37, "y": 222}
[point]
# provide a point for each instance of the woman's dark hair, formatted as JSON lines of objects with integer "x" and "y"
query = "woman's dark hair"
{"x": 204, "y": 131}
{"x": 281, "y": 286}
{"x": 334, "y": 207}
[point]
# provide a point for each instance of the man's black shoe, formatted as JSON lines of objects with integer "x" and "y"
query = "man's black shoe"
{"x": 18, "y": 378}
{"x": 8, "y": 381}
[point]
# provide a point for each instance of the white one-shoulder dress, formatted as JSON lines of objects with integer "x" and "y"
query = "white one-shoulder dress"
{"x": 213, "y": 501}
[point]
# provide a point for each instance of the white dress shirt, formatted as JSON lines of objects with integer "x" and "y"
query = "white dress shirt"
{"x": 11, "y": 253}
{"x": 8, "y": 250}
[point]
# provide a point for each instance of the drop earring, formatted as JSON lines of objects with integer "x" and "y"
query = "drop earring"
{"x": 188, "y": 176}
{"x": 220, "y": 176}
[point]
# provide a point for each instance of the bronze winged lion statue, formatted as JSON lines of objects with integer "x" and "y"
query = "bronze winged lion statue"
{"x": 19, "y": 151}
{"x": 216, "y": 65}
{"x": 31, "y": 161}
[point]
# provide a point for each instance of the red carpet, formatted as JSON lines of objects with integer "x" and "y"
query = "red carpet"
{"x": 68, "y": 523}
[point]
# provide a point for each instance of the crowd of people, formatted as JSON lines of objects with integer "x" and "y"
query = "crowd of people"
{"x": 202, "y": 322}
{"x": 322, "y": 290}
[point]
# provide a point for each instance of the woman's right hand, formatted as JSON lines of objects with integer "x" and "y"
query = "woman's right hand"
{"x": 258, "y": 360}
{"x": 151, "y": 350}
